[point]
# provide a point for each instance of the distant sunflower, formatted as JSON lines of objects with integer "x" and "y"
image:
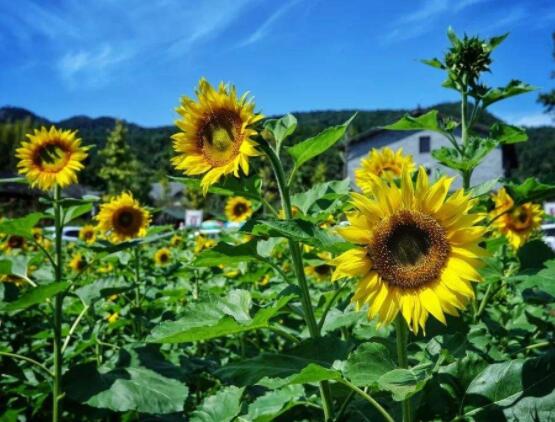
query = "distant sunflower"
{"x": 517, "y": 223}
{"x": 321, "y": 271}
{"x": 87, "y": 233}
{"x": 51, "y": 157}
{"x": 418, "y": 249}
{"x": 123, "y": 218}
{"x": 238, "y": 209}
{"x": 216, "y": 137}
{"x": 162, "y": 256}
{"x": 78, "y": 263}
{"x": 13, "y": 279}
{"x": 14, "y": 242}
{"x": 176, "y": 240}
{"x": 202, "y": 243}
{"x": 112, "y": 318}
{"x": 384, "y": 163}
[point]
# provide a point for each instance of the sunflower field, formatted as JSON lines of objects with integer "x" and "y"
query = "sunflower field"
{"x": 395, "y": 296}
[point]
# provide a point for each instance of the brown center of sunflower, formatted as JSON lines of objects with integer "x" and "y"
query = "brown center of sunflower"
{"x": 164, "y": 257}
{"x": 51, "y": 157}
{"x": 239, "y": 209}
{"x": 15, "y": 242}
{"x": 390, "y": 168}
{"x": 520, "y": 219}
{"x": 88, "y": 234}
{"x": 127, "y": 221}
{"x": 322, "y": 270}
{"x": 81, "y": 264}
{"x": 409, "y": 249}
{"x": 220, "y": 136}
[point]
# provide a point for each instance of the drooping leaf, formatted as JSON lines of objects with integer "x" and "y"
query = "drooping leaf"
{"x": 368, "y": 363}
{"x": 223, "y": 406}
{"x": 513, "y": 88}
{"x": 507, "y": 134}
{"x": 312, "y": 147}
{"x": 427, "y": 121}
{"x": 21, "y": 226}
{"x": 34, "y": 296}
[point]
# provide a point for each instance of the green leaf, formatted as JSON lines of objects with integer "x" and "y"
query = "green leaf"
{"x": 101, "y": 288}
{"x": 450, "y": 157}
{"x": 517, "y": 390}
{"x": 223, "y": 406}
{"x": 227, "y": 254}
{"x": 205, "y": 321}
{"x": 531, "y": 190}
{"x": 428, "y": 121}
{"x": 543, "y": 280}
{"x": 533, "y": 255}
{"x": 249, "y": 187}
{"x": 21, "y": 226}
{"x": 34, "y": 296}
{"x": 368, "y": 363}
{"x": 281, "y": 128}
{"x": 321, "y": 196}
{"x": 507, "y": 134}
{"x": 513, "y": 88}
{"x": 127, "y": 387}
{"x": 434, "y": 63}
{"x": 312, "y": 373}
{"x": 452, "y": 36}
{"x": 274, "y": 403}
{"x": 495, "y": 41}
{"x": 484, "y": 188}
{"x": 404, "y": 383}
{"x": 71, "y": 213}
{"x": 14, "y": 265}
{"x": 312, "y": 147}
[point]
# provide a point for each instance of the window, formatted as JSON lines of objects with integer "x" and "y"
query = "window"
{"x": 425, "y": 144}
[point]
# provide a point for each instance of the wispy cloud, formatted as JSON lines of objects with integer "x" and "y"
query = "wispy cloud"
{"x": 505, "y": 20}
{"x": 263, "y": 29}
{"x": 530, "y": 119}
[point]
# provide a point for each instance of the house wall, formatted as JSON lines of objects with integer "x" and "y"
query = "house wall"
{"x": 490, "y": 168}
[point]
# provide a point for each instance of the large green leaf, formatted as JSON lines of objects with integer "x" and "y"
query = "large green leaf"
{"x": 274, "y": 403}
{"x": 223, "y": 406}
{"x": 101, "y": 288}
{"x": 531, "y": 190}
{"x": 544, "y": 280}
{"x": 34, "y": 296}
{"x": 312, "y": 147}
{"x": 507, "y": 134}
{"x": 281, "y": 128}
{"x": 133, "y": 383}
{"x": 427, "y": 121}
{"x": 71, "y": 213}
{"x": 321, "y": 196}
{"x": 21, "y": 226}
{"x": 517, "y": 390}
{"x": 368, "y": 363}
{"x": 404, "y": 383}
{"x": 14, "y": 265}
{"x": 513, "y": 88}
{"x": 227, "y": 254}
{"x": 215, "y": 319}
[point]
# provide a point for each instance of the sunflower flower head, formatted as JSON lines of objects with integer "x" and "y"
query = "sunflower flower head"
{"x": 417, "y": 249}
{"x": 320, "y": 271}
{"x": 87, "y": 233}
{"x": 384, "y": 163}
{"x": 516, "y": 223}
{"x": 176, "y": 240}
{"x": 216, "y": 134}
{"x": 238, "y": 209}
{"x": 162, "y": 256}
{"x": 123, "y": 218}
{"x": 77, "y": 263}
{"x": 51, "y": 157}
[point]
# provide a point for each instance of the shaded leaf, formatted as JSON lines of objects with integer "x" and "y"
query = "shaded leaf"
{"x": 223, "y": 406}
{"x": 368, "y": 363}
{"x": 34, "y": 296}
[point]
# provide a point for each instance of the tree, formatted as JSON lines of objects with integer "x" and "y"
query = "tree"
{"x": 120, "y": 169}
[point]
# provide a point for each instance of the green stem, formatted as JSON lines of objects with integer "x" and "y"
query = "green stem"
{"x": 484, "y": 301}
{"x": 464, "y": 127}
{"x": 284, "y": 334}
{"x": 328, "y": 307}
{"x": 74, "y": 327}
{"x": 369, "y": 399}
{"x": 269, "y": 206}
{"x": 298, "y": 267}
{"x": 137, "y": 291}
{"x": 57, "y": 317}
{"x": 402, "y": 358}
{"x": 25, "y": 358}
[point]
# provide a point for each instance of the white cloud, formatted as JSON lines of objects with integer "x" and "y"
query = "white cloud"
{"x": 263, "y": 29}
{"x": 529, "y": 119}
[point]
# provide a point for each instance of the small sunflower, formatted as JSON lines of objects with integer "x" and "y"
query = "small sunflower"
{"x": 162, "y": 256}
{"x": 417, "y": 249}
{"x": 238, "y": 209}
{"x": 517, "y": 223}
{"x": 14, "y": 242}
{"x": 51, "y": 157}
{"x": 78, "y": 263}
{"x": 13, "y": 279}
{"x": 123, "y": 218}
{"x": 265, "y": 280}
{"x": 202, "y": 243}
{"x": 112, "y": 318}
{"x": 176, "y": 240}
{"x": 384, "y": 163}
{"x": 321, "y": 271}
{"x": 108, "y": 268}
{"x": 87, "y": 233}
{"x": 216, "y": 137}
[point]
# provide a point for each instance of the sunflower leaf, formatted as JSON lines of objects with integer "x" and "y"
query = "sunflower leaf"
{"x": 223, "y": 406}
{"x": 33, "y": 296}
{"x": 21, "y": 226}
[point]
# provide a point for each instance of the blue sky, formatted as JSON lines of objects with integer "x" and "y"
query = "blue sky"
{"x": 133, "y": 59}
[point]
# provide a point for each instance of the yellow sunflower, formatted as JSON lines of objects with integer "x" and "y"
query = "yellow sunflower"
{"x": 176, "y": 240}
{"x": 320, "y": 271}
{"x": 77, "y": 263}
{"x": 517, "y": 223}
{"x": 51, "y": 157}
{"x": 13, "y": 279}
{"x": 238, "y": 209}
{"x": 162, "y": 256}
{"x": 202, "y": 243}
{"x": 112, "y": 318}
{"x": 417, "y": 249}
{"x": 87, "y": 233}
{"x": 123, "y": 218}
{"x": 384, "y": 163}
{"x": 216, "y": 137}
{"x": 14, "y": 242}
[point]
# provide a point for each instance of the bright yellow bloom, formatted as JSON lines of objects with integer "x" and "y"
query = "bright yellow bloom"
{"x": 13, "y": 279}
{"x": 517, "y": 223}
{"x": 321, "y": 271}
{"x": 108, "y": 268}
{"x": 417, "y": 249}
{"x": 78, "y": 263}
{"x": 87, "y": 233}
{"x": 215, "y": 138}
{"x": 162, "y": 256}
{"x": 202, "y": 243}
{"x": 238, "y": 209}
{"x": 232, "y": 273}
{"x": 264, "y": 280}
{"x": 123, "y": 218}
{"x": 112, "y": 318}
{"x": 384, "y": 163}
{"x": 51, "y": 157}
{"x": 176, "y": 240}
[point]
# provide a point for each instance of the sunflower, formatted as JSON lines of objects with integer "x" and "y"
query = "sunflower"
{"x": 417, "y": 249}
{"x": 517, "y": 223}
{"x": 202, "y": 243}
{"x": 320, "y": 271}
{"x": 13, "y": 279}
{"x": 123, "y": 218}
{"x": 238, "y": 209}
{"x": 87, "y": 233}
{"x": 384, "y": 163}
{"x": 14, "y": 242}
{"x": 216, "y": 137}
{"x": 78, "y": 263}
{"x": 112, "y": 318}
{"x": 176, "y": 240}
{"x": 51, "y": 157}
{"x": 162, "y": 256}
